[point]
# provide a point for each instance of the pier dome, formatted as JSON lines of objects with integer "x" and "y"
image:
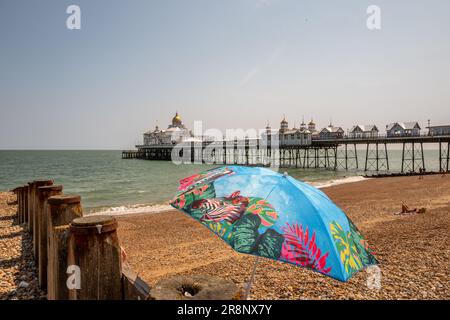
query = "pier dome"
{"x": 176, "y": 120}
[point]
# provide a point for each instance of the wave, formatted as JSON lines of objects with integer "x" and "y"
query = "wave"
{"x": 131, "y": 209}
{"x": 335, "y": 182}
{"x": 164, "y": 207}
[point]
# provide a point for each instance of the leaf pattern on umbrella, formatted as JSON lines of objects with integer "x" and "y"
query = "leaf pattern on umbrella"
{"x": 264, "y": 210}
{"x": 347, "y": 248}
{"x": 247, "y": 239}
{"x": 245, "y": 233}
{"x": 364, "y": 251}
{"x": 299, "y": 248}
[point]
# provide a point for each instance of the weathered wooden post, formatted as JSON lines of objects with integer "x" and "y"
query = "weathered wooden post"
{"x": 41, "y": 221}
{"x": 37, "y": 184}
{"x": 17, "y": 193}
{"x": 32, "y": 207}
{"x": 62, "y": 210}
{"x": 25, "y": 205}
{"x": 21, "y": 204}
{"x": 95, "y": 252}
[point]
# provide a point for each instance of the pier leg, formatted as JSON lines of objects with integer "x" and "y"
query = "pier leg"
{"x": 335, "y": 157}
{"x": 448, "y": 155}
{"x": 346, "y": 158}
{"x": 367, "y": 157}
{"x": 423, "y": 157}
{"x": 377, "y": 156}
{"x": 403, "y": 158}
{"x": 387, "y": 159}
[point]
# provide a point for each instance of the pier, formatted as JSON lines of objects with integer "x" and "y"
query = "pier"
{"x": 333, "y": 153}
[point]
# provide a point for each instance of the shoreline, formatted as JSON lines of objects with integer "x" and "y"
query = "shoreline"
{"x": 140, "y": 209}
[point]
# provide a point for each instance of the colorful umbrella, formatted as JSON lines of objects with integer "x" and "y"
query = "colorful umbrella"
{"x": 260, "y": 212}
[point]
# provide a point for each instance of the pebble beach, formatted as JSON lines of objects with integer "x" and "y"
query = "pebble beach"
{"x": 413, "y": 249}
{"x": 18, "y": 280}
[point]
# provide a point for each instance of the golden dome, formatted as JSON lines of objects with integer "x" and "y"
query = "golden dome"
{"x": 176, "y": 119}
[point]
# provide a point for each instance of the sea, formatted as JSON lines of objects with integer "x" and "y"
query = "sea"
{"x": 111, "y": 185}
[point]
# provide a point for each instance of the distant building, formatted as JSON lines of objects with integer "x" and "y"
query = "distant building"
{"x": 331, "y": 132}
{"x": 175, "y": 133}
{"x": 294, "y": 136}
{"x": 312, "y": 129}
{"x": 363, "y": 131}
{"x": 403, "y": 129}
{"x": 443, "y": 130}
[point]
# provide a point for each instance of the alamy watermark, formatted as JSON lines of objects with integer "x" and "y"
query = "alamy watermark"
{"x": 73, "y": 21}
{"x": 232, "y": 146}
{"x": 373, "y": 21}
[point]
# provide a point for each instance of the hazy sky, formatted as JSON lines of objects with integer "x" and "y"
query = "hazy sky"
{"x": 231, "y": 63}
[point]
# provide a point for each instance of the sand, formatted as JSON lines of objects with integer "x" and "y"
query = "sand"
{"x": 413, "y": 250}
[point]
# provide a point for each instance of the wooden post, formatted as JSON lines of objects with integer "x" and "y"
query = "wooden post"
{"x": 17, "y": 191}
{"x": 25, "y": 205}
{"x": 62, "y": 210}
{"x": 41, "y": 221}
{"x": 94, "y": 249}
{"x": 33, "y": 212}
{"x": 29, "y": 209}
{"x": 22, "y": 206}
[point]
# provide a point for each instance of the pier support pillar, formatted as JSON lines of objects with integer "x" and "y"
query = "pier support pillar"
{"x": 41, "y": 221}
{"x": 412, "y": 157}
{"x": 376, "y": 157}
{"x": 444, "y": 156}
{"x": 62, "y": 210}
{"x": 94, "y": 250}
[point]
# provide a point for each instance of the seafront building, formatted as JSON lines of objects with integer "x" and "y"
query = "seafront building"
{"x": 363, "y": 131}
{"x": 175, "y": 133}
{"x": 403, "y": 129}
{"x": 332, "y": 132}
{"x": 442, "y": 130}
{"x": 291, "y": 136}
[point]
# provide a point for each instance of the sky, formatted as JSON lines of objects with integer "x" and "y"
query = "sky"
{"x": 229, "y": 63}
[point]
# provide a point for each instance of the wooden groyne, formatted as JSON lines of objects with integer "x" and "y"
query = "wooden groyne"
{"x": 79, "y": 257}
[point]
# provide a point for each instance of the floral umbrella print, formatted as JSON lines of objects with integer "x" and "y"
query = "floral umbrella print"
{"x": 260, "y": 212}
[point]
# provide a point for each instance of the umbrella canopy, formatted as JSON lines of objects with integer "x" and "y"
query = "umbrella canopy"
{"x": 260, "y": 212}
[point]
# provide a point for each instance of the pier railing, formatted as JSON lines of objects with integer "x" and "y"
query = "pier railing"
{"x": 79, "y": 257}
{"x": 330, "y": 153}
